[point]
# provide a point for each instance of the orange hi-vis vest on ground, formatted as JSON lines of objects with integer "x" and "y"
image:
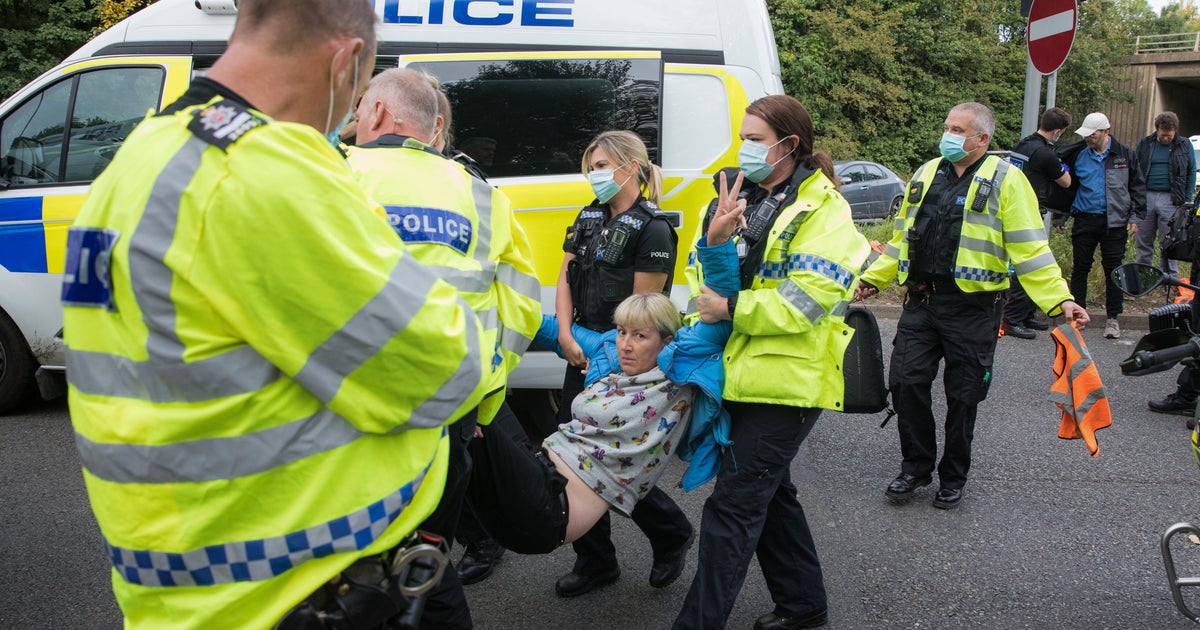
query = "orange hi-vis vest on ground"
{"x": 1077, "y": 389}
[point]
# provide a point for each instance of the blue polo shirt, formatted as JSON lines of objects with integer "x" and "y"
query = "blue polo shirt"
{"x": 1089, "y": 170}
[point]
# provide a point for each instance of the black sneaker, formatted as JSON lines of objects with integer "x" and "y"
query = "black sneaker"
{"x": 1173, "y": 404}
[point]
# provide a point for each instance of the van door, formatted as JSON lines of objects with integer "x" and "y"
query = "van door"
{"x": 56, "y": 135}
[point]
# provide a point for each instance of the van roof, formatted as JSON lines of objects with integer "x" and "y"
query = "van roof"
{"x": 732, "y": 32}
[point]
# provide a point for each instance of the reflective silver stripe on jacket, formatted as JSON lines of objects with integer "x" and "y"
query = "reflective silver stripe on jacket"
{"x": 438, "y": 408}
{"x": 982, "y": 246}
{"x": 519, "y": 281}
{"x": 239, "y": 371}
{"x": 1025, "y": 236}
{"x": 467, "y": 280}
{"x": 385, "y": 315}
{"x": 514, "y": 341}
{"x": 211, "y": 459}
{"x": 799, "y": 298}
{"x": 984, "y": 219}
{"x": 1035, "y": 263}
{"x": 693, "y": 306}
{"x": 481, "y": 191}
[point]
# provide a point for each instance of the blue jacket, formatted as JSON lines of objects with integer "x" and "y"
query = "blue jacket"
{"x": 693, "y": 357}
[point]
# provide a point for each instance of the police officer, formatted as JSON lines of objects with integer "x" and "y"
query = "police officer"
{"x": 800, "y": 253}
{"x": 619, "y": 245}
{"x": 966, "y": 214}
{"x": 464, "y": 229}
{"x": 1035, "y": 156}
{"x": 256, "y": 409}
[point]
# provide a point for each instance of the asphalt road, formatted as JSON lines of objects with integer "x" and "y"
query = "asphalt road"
{"x": 1046, "y": 537}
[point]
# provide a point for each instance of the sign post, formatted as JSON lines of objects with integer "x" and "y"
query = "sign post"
{"x": 1051, "y": 32}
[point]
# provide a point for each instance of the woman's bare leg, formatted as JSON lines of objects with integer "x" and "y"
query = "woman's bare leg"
{"x": 586, "y": 506}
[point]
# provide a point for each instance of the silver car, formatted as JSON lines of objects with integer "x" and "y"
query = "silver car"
{"x": 874, "y": 191}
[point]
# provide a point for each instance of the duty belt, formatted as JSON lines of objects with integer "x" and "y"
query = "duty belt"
{"x": 381, "y": 591}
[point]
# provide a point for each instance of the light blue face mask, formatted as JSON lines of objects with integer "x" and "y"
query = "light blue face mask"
{"x": 334, "y": 135}
{"x": 951, "y": 146}
{"x": 604, "y": 185}
{"x": 752, "y": 159}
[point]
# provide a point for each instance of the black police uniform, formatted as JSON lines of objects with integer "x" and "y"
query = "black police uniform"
{"x": 940, "y": 321}
{"x": 608, "y": 251}
{"x": 1036, "y": 158}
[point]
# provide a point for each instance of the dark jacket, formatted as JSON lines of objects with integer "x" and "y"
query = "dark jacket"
{"x": 1181, "y": 168}
{"x": 1124, "y": 181}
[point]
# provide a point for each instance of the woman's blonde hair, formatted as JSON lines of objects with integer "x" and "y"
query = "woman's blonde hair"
{"x": 624, "y": 147}
{"x": 648, "y": 310}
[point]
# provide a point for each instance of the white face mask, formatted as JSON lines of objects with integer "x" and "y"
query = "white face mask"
{"x": 333, "y": 134}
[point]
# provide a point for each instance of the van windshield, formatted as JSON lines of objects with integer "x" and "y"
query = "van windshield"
{"x": 536, "y": 116}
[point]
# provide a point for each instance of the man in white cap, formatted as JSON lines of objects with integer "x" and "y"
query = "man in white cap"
{"x": 1109, "y": 201}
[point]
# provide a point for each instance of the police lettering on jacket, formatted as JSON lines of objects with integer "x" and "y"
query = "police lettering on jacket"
{"x": 431, "y": 225}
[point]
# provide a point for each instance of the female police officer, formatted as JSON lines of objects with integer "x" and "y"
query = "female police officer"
{"x": 800, "y": 254}
{"x": 619, "y": 245}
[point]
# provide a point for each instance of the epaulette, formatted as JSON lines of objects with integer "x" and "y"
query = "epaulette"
{"x": 223, "y": 122}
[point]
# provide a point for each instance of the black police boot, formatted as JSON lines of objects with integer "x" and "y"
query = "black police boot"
{"x": 902, "y": 487}
{"x": 1018, "y": 331}
{"x": 1173, "y": 404}
{"x": 479, "y": 560}
{"x": 1036, "y": 324}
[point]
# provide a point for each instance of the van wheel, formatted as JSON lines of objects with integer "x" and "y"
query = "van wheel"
{"x": 894, "y": 208}
{"x": 16, "y": 367}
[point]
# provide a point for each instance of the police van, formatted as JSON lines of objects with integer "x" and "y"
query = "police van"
{"x": 531, "y": 83}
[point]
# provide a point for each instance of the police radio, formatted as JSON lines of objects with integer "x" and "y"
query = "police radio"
{"x": 982, "y": 192}
{"x": 615, "y": 245}
{"x": 762, "y": 217}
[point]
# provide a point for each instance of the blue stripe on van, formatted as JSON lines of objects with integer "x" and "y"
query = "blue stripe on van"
{"x": 22, "y": 245}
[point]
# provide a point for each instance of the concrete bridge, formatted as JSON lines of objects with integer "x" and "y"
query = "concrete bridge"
{"x": 1164, "y": 75}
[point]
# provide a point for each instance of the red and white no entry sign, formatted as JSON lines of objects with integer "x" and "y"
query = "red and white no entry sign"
{"x": 1051, "y": 33}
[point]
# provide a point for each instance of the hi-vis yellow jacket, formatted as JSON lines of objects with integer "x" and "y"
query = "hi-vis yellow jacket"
{"x": 789, "y": 331}
{"x": 1011, "y": 228}
{"x": 259, "y": 372}
{"x": 465, "y": 230}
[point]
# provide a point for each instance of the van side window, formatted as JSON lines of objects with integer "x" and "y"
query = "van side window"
{"x": 108, "y": 105}
{"x": 536, "y": 116}
{"x": 97, "y": 109}
{"x": 31, "y": 137}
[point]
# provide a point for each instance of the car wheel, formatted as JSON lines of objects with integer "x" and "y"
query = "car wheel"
{"x": 16, "y": 367}
{"x": 894, "y": 208}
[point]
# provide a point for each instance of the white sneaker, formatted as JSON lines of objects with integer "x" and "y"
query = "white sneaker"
{"x": 1112, "y": 330}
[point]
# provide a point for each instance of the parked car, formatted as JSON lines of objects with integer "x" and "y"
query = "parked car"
{"x": 874, "y": 191}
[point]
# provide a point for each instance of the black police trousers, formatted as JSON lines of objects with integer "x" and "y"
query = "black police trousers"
{"x": 961, "y": 329}
{"x": 656, "y": 514}
{"x": 754, "y": 511}
{"x": 446, "y": 605}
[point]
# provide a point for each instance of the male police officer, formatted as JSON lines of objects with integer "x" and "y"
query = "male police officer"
{"x": 1035, "y": 156}
{"x": 965, "y": 215}
{"x": 259, "y": 370}
{"x": 465, "y": 229}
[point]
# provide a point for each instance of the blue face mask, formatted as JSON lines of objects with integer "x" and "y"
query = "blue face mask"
{"x": 951, "y": 146}
{"x": 752, "y": 159}
{"x": 334, "y": 135}
{"x": 604, "y": 185}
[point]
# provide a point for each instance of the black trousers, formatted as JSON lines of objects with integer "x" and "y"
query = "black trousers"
{"x": 1019, "y": 308}
{"x": 1088, "y": 232}
{"x": 656, "y": 514}
{"x": 516, "y": 493}
{"x": 961, "y": 329}
{"x": 753, "y": 510}
{"x": 446, "y": 606}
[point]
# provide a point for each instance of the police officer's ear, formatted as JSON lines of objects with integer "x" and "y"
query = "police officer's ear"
{"x": 346, "y": 59}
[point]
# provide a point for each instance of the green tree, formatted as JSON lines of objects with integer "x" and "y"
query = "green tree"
{"x": 879, "y": 76}
{"x": 37, "y": 34}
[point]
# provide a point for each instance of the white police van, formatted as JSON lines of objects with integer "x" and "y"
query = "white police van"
{"x": 531, "y": 82}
